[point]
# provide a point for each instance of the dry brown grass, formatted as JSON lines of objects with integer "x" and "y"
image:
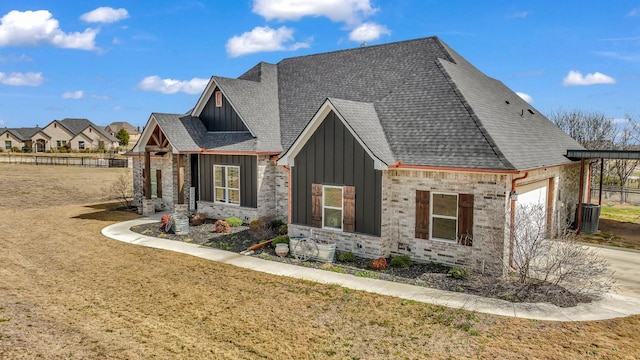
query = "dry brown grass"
{"x": 66, "y": 292}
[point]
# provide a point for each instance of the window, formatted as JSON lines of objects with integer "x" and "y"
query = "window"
{"x": 80, "y": 145}
{"x": 443, "y": 216}
{"x": 218, "y": 96}
{"x": 332, "y": 207}
{"x": 61, "y": 143}
{"x": 7, "y": 145}
{"x": 156, "y": 183}
{"x": 226, "y": 180}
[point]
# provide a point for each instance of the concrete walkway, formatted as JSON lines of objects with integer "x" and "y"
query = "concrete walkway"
{"x": 624, "y": 303}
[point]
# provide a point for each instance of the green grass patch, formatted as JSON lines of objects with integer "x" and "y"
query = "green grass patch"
{"x": 623, "y": 213}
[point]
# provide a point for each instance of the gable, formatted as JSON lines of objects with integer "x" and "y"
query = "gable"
{"x": 223, "y": 117}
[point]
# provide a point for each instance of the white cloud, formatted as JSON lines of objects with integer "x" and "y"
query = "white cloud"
{"x": 75, "y": 95}
{"x": 518, "y": 15}
{"x": 15, "y": 59}
{"x": 32, "y": 28}
{"x": 1, "y": 122}
{"x": 526, "y": 97}
{"x": 105, "y": 15}
{"x": 170, "y": 86}
{"x": 348, "y": 11}
{"x": 576, "y": 78}
{"x": 368, "y": 31}
{"x": 634, "y": 12}
{"x": 262, "y": 38}
{"x": 21, "y": 79}
{"x": 618, "y": 56}
{"x": 100, "y": 97}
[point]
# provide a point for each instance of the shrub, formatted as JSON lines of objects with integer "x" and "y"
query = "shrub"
{"x": 234, "y": 221}
{"x": 283, "y": 229}
{"x": 346, "y": 257}
{"x": 458, "y": 272}
{"x": 164, "y": 222}
{"x": 400, "y": 261}
{"x": 258, "y": 228}
{"x": 222, "y": 227}
{"x": 16, "y": 149}
{"x": 379, "y": 264}
{"x": 275, "y": 224}
{"x": 282, "y": 239}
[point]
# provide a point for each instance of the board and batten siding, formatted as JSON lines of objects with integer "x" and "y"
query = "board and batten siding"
{"x": 222, "y": 118}
{"x": 332, "y": 156}
{"x": 248, "y": 176}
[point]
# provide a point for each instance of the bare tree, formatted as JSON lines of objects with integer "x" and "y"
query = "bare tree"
{"x": 540, "y": 262}
{"x": 122, "y": 189}
{"x": 562, "y": 262}
{"x": 627, "y": 139}
{"x": 593, "y": 130}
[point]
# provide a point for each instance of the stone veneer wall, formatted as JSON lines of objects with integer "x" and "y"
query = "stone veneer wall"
{"x": 166, "y": 164}
{"x": 282, "y": 194}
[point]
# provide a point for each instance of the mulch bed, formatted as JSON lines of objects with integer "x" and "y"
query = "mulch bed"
{"x": 432, "y": 275}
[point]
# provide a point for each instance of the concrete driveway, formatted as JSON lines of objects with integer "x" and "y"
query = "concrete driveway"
{"x": 626, "y": 264}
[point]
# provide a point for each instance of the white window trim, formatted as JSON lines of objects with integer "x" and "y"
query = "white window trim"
{"x": 341, "y": 208}
{"x": 8, "y": 142}
{"x": 432, "y": 216}
{"x": 225, "y": 187}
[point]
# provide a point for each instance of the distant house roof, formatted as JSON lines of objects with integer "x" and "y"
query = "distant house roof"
{"x": 76, "y": 126}
{"x": 417, "y": 102}
{"x": 24, "y": 134}
{"x": 115, "y": 126}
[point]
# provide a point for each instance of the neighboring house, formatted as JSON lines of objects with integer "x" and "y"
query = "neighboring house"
{"x": 402, "y": 148}
{"x": 114, "y": 127}
{"x": 80, "y": 134}
{"x": 24, "y": 139}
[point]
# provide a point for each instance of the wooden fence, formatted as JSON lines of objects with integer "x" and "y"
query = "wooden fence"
{"x": 66, "y": 161}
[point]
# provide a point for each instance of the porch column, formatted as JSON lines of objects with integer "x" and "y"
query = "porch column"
{"x": 147, "y": 175}
{"x": 180, "y": 180}
{"x": 580, "y": 197}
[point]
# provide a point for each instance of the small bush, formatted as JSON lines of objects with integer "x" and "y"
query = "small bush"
{"x": 379, "y": 264}
{"x": 234, "y": 221}
{"x": 275, "y": 224}
{"x": 458, "y": 272}
{"x": 282, "y": 239}
{"x": 258, "y": 228}
{"x": 283, "y": 229}
{"x": 222, "y": 227}
{"x": 400, "y": 261}
{"x": 346, "y": 257}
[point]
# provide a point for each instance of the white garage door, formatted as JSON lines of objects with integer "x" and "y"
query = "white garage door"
{"x": 531, "y": 217}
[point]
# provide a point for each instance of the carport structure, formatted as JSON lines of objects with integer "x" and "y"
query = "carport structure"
{"x": 584, "y": 155}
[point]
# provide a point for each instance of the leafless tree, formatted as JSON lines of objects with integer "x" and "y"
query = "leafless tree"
{"x": 122, "y": 189}
{"x": 593, "y": 130}
{"x": 562, "y": 261}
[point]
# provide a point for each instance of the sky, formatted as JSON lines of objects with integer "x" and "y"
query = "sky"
{"x": 122, "y": 60}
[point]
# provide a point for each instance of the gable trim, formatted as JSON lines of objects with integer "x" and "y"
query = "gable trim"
{"x": 287, "y": 159}
{"x": 140, "y": 146}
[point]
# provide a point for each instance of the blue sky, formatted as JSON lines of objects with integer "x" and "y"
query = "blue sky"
{"x": 121, "y": 60}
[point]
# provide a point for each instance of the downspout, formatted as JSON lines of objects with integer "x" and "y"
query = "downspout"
{"x": 513, "y": 197}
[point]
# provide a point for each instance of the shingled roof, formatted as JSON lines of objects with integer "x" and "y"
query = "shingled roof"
{"x": 76, "y": 126}
{"x": 435, "y": 108}
{"x": 417, "y": 102}
{"x": 24, "y": 134}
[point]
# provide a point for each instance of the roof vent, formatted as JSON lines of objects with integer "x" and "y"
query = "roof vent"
{"x": 507, "y": 101}
{"x": 530, "y": 111}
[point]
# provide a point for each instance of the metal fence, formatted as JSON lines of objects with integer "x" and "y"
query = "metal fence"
{"x": 66, "y": 161}
{"x": 615, "y": 194}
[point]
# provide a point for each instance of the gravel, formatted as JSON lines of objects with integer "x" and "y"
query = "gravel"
{"x": 432, "y": 275}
